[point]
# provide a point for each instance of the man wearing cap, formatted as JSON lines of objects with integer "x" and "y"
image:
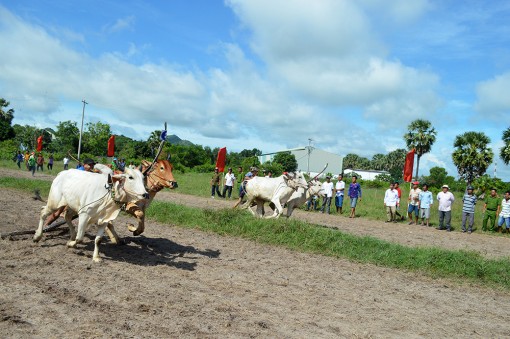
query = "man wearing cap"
{"x": 446, "y": 200}
{"x": 327, "y": 187}
{"x": 491, "y": 204}
{"x": 504, "y": 215}
{"x": 468, "y": 209}
{"x": 413, "y": 203}
{"x": 229, "y": 183}
{"x": 215, "y": 183}
{"x": 426, "y": 200}
{"x": 88, "y": 165}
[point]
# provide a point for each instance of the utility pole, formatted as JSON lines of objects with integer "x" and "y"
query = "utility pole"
{"x": 81, "y": 129}
{"x": 309, "y": 151}
{"x": 495, "y": 166}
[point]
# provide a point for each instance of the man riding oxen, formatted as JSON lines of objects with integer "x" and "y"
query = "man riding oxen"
{"x": 92, "y": 197}
{"x": 275, "y": 190}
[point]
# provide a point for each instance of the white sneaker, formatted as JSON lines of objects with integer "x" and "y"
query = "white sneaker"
{"x": 212, "y": 196}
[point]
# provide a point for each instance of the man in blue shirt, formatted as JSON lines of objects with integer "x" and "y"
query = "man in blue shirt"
{"x": 468, "y": 209}
{"x": 425, "y": 201}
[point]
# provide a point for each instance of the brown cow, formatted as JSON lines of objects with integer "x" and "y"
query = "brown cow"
{"x": 158, "y": 178}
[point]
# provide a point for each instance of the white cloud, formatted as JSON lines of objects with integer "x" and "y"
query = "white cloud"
{"x": 493, "y": 99}
{"x": 120, "y": 24}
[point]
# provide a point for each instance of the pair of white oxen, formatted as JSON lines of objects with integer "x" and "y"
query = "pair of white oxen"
{"x": 291, "y": 189}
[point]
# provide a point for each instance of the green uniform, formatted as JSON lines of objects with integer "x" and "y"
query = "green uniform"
{"x": 492, "y": 204}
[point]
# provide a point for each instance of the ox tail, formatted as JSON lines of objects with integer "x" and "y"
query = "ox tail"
{"x": 37, "y": 195}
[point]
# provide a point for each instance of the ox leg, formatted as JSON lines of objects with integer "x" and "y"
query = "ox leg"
{"x": 112, "y": 234}
{"x": 97, "y": 241}
{"x": 260, "y": 208}
{"x": 82, "y": 225}
{"x": 45, "y": 212}
{"x": 247, "y": 205}
{"x": 139, "y": 213}
{"x": 278, "y": 209}
{"x": 69, "y": 221}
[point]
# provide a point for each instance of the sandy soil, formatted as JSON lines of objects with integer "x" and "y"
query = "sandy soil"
{"x": 173, "y": 282}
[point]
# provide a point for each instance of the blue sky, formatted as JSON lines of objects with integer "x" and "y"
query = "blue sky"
{"x": 264, "y": 74}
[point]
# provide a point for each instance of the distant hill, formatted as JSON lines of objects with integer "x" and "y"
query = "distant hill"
{"x": 175, "y": 140}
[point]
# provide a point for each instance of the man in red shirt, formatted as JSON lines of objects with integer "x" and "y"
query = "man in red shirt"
{"x": 397, "y": 213}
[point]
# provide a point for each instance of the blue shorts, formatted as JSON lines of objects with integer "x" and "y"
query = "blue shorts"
{"x": 502, "y": 220}
{"x": 354, "y": 201}
{"x": 339, "y": 201}
{"x": 414, "y": 208}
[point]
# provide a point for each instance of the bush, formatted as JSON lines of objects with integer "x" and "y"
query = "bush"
{"x": 8, "y": 149}
{"x": 205, "y": 168}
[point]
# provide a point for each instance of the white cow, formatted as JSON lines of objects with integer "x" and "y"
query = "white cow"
{"x": 276, "y": 190}
{"x": 301, "y": 195}
{"x": 89, "y": 196}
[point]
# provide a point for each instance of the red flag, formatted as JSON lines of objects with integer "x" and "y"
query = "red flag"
{"x": 39, "y": 143}
{"x": 220, "y": 160}
{"x": 408, "y": 167}
{"x": 111, "y": 146}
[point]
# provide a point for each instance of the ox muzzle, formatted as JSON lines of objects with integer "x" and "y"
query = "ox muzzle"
{"x": 173, "y": 184}
{"x": 146, "y": 196}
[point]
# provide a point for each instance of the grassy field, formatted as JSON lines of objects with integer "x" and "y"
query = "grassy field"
{"x": 371, "y": 206}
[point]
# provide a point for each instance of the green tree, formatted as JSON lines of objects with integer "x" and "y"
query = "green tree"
{"x": 471, "y": 155}
{"x": 67, "y": 137}
{"x": 25, "y": 136}
{"x": 6, "y": 116}
{"x": 505, "y": 150}
{"x": 438, "y": 176}
{"x": 354, "y": 161}
{"x": 395, "y": 163}
{"x": 378, "y": 162}
{"x": 287, "y": 160}
{"x": 420, "y": 136}
{"x": 95, "y": 138}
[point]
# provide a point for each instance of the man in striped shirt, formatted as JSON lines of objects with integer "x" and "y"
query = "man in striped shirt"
{"x": 468, "y": 209}
{"x": 504, "y": 215}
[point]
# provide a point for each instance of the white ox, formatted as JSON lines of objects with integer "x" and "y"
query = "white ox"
{"x": 301, "y": 195}
{"x": 275, "y": 190}
{"x": 89, "y": 196}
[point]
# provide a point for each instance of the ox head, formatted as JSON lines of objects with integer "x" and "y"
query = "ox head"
{"x": 315, "y": 188}
{"x": 161, "y": 176}
{"x": 129, "y": 186}
{"x": 296, "y": 180}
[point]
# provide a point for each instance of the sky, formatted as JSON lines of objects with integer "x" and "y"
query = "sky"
{"x": 266, "y": 74}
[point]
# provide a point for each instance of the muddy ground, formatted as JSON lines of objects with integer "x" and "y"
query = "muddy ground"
{"x": 174, "y": 282}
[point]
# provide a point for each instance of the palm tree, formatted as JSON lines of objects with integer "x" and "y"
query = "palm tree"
{"x": 505, "y": 150}
{"x": 421, "y": 137}
{"x": 471, "y": 155}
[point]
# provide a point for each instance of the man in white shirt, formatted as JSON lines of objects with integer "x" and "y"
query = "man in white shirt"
{"x": 391, "y": 201}
{"x": 229, "y": 183}
{"x": 339, "y": 194}
{"x": 504, "y": 214}
{"x": 327, "y": 188}
{"x": 66, "y": 162}
{"x": 446, "y": 200}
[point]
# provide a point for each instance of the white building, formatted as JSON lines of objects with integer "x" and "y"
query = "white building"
{"x": 311, "y": 160}
{"x": 365, "y": 174}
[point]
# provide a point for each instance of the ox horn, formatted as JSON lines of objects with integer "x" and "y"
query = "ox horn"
{"x": 158, "y": 153}
{"x": 325, "y": 166}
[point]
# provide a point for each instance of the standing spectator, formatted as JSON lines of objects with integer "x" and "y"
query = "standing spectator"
{"x": 40, "y": 162}
{"x": 491, "y": 205}
{"x": 339, "y": 193}
{"x": 397, "y": 210}
{"x": 445, "y": 199}
{"x": 229, "y": 183}
{"x": 215, "y": 183}
{"x": 414, "y": 203}
{"x": 426, "y": 200}
{"x": 50, "y": 162}
{"x": 391, "y": 201}
{"x": 31, "y": 163}
{"x": 327, "y": 186}
{"x": 504, "y": 215}
{"x": 468, "y": 209}
{"x": 27, "y": 156}
{"x": 19, "y": 159}
{"x": 354, "y": 194}
{"x": 66, "y": 162}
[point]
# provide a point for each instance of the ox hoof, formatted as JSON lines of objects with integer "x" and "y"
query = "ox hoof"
{"x": 71, "y": 244}
{"x": 131, "y": 228}
{"x": 37, "y": 238}
{"x": 97, "y": 259}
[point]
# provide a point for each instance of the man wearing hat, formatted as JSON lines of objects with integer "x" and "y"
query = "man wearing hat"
{"x": 327, "y": 188}
{"x": 468, "y": 209}
{"x": 88, "y": 165}
{"x": 229, "y": 183}
{"x": 413, "y": 203}
{"x": 445, "y": 199}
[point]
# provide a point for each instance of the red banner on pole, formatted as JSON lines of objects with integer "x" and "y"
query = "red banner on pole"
{"x": 408, "y": 167}
{"x": 220, "y": 160}
{"x": 39, "y": 143}
{"x": 111, "y": 146}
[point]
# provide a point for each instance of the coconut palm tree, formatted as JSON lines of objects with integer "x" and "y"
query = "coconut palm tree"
{"x": 505, "y": 150}
{"x": 471, "y": 155}
{"x": 420, "y": 137}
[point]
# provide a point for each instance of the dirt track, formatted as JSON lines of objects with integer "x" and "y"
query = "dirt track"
{"x": 177, "y": 282}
